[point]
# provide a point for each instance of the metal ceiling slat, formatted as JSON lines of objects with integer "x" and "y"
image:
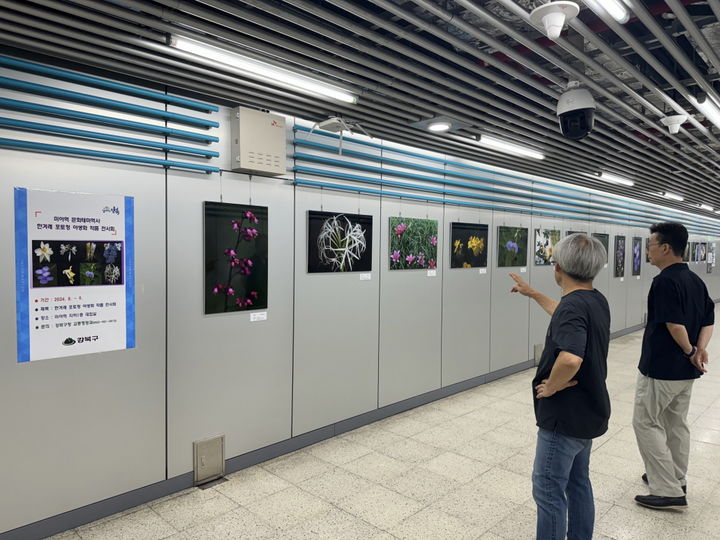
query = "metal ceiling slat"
{"x": 236, "y": 11}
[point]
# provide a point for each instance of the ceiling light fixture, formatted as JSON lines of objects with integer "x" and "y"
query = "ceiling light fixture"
{"x": 440, "y": 123}
{"x": 263, "y": 71}
{"x": 706, "y": 207}
{"x": 614, "y": 8}
{"x": 674, "y": 122}
{"x": 439, "y": 126}
{"x": 672, "y": 196}
{"x": 615, "y": 179}
{"x": 508, "y": 147}
{"x": 553, "y": 16}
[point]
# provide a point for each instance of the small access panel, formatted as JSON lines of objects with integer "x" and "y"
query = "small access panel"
{"x": 208, "y": 459}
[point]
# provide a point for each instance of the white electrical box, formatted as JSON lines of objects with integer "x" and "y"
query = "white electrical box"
{"x": 258, "y": 142}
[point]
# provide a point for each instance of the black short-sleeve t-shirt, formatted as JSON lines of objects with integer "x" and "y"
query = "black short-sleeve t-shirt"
{"x": 580, "y": 325}
{"x": 677, "y": 295}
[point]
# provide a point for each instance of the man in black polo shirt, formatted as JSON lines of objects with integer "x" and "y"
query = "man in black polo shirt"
{"x": 571, "y": 400}
{"x": 679, "y": 326}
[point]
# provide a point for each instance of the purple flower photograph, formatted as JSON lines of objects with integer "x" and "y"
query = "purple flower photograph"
{"x": 236, "y": 257}
{"x": 413, "y": 243}
{"x": 512, "y": 246}
{"x": 636, "y": 255}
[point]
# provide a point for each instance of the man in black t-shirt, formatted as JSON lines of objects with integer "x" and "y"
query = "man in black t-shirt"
{"x": 571, "y": 400}
{"x": 679, "y": 326}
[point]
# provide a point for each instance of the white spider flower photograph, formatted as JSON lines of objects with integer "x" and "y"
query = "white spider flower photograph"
{"x": 112, "y": 274}
{"x": 339, "y": 242}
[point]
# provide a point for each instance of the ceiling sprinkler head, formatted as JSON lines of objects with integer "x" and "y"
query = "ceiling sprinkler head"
{"x": 552, "y": 16}
{"x": 674, "y": 122}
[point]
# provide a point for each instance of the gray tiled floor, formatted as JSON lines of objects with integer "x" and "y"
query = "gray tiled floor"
{"x": 457, "y": 468}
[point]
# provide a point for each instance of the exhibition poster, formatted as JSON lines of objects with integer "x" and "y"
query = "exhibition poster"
{"x": 74, "y": 273}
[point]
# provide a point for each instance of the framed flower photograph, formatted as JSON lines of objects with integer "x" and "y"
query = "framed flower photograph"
{"x": 413, "y": 243}
{"x": 710, "y": 258}
{"x": 686, "y": 253}
{"x": 701, "y": 251}
{"x": 236, "y": 257}
{"x": 647, "y": 250}
{"x": 605, "y": 241}
{"x": 693, "y": 251}
{"x": 636, "y": 255}
{"x": 512, "y": 246}
{"x": 468, "y": 245}
{"x": 545, "y": 240}
{"x": 619, "y": 256}
{"x": 339, "y": 242}
{"x": 574, "y": 232}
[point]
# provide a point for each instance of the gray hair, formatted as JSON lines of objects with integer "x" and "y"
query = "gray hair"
{"x": 580, "y": 256}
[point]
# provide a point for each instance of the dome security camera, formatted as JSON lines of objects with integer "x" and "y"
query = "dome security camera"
{"x": 576, "y": 112}
{"x": 674, "y": 122}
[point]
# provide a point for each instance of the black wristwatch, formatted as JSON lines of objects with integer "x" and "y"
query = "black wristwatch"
{"x": 692, "y": 353}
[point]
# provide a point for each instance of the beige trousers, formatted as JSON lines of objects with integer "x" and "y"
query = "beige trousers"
{"x": 662, "y": 432}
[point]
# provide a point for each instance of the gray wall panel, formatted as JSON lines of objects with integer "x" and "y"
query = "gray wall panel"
{"x": 226, "y": 375}
{"x": 465, "y": 307}
{"x": 336, "y": 324}
{"x": 509, "y": 313}
{"x": 410, "y": 318}
{"x": 83, "y": 428}
{"x": 542, "y": 278}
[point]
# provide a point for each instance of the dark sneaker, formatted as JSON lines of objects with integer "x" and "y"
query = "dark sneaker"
{"x": 661, "y": 503}
{"x": 644, "y": 479}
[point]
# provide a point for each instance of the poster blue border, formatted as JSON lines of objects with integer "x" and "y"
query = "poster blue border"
{"x": 130, "y": 272}
{"x": 22, "y": 286}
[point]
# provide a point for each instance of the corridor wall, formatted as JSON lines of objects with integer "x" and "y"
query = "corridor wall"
{"x": 112, "y": 430}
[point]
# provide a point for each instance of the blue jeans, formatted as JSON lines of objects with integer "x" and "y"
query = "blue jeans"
{"x": 561, "y": 487}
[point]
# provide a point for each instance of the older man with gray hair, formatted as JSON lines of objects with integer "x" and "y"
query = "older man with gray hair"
{"x": 572, "y": 405}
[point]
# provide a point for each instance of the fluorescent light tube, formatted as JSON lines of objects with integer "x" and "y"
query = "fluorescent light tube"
{"x": 708, "y": 108}
{"x": 672, "y": 196}
{"x": 510, "y": 148}
{"x": 706, "y": 207}
{"x": 609, "y": 177}
{"x": 263, "y": 71}
{"x": 614, "y": 8}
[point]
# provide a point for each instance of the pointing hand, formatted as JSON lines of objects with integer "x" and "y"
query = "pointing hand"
{"x": 521, "y": 286}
